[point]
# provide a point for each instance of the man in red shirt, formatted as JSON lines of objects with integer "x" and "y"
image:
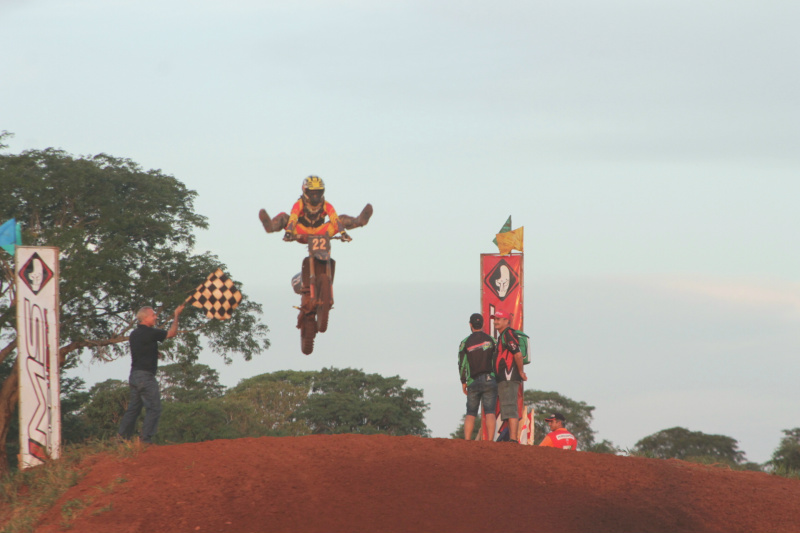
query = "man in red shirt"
{"x": 559, "y": 437}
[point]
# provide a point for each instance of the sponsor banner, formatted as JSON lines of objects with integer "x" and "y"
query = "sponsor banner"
{"x": 501, "y": 288}
{"x": 36, "y": 278}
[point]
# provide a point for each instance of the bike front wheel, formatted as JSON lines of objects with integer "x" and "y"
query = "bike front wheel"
{"x": 308, "y": 330}
{"x": 325, "y": 303}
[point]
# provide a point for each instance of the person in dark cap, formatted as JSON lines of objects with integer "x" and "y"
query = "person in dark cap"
{"x": 559, "y": 437}
{"x": 475, "y": 365}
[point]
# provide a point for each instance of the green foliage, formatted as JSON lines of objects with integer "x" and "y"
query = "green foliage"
{"x": 128, "y": 234}
{"x": 264, "y": 406}
{"x": 126, "y": 238}
{"x": 695, "y": 446}
{"x": 786, "y": 458}
{"x": 73, "y": 398}
{"x": 71, "y": 510}
{"x": 103, "y": 412}
{"x": 4, "y": 135}
{"x": 186, "y": 382}
{"x": 194, "y": 422}
{"x": 286, "y": 403}
{"x": 350, "y": 401}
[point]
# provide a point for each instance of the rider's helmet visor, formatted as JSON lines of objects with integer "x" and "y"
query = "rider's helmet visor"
{"x": 315, "y": 197}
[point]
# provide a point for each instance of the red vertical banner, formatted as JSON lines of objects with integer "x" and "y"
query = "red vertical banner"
{"x": 501, "y": 288}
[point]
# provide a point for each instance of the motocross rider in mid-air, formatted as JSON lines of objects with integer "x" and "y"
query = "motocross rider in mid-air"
{"x": 312, "y": 215}
{"x": 309, "y": 213}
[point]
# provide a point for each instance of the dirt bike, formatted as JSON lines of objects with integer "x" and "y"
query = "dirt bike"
{"x": 316, "y": 288}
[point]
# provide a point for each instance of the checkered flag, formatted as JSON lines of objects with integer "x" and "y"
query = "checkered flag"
{"x": 217, "y": 295}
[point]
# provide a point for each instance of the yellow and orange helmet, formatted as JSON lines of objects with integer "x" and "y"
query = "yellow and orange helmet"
{"x": 313, "y": 191}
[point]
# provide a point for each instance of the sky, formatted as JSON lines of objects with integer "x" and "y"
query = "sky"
{"x": 649, "y": 149}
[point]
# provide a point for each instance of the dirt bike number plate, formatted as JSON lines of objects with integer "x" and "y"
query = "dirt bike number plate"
{"x": 320, "y": 247}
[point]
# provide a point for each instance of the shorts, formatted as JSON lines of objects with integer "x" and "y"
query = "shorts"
{"x": 508, "y": 392}
{"x": 482, "y": 391}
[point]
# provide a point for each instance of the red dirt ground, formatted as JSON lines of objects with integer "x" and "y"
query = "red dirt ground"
{"x": 350, "y": 483}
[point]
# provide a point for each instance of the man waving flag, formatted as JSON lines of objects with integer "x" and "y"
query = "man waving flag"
{"x": 217, "y": 295}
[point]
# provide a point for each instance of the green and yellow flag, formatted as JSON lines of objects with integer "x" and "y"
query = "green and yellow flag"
{"x": 506, "y": 227}
{"x": 507, "y": 240}
{"x": 510, "y": 240}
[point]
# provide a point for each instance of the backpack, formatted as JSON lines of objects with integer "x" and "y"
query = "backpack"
{"x": 524, "y": 347}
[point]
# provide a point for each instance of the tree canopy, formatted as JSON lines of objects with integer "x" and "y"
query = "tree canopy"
{"x": 787, "y": 456}
{"x": 696, "y": 446}
{"x": 350, "y": 401}
{"x": 126, "y": 238}
{"x": 285, "y": 403}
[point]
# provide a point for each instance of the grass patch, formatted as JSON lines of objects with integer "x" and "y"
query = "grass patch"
{"x": 102, "y": 510}
{"x": 72, "y": 510}
{"x": 783, "y": 471}
{"x": 25, "y": 495}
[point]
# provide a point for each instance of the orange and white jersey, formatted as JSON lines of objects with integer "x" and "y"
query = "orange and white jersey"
{"x": 560, "y": 438}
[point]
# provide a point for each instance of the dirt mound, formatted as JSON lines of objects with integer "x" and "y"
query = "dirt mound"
{"x": 349, "y": 483}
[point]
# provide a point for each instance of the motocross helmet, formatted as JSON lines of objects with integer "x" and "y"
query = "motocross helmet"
{"x": 313, "y": 192}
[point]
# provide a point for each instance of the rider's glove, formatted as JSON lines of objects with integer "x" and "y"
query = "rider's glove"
{"x": 346, "y": 237}
{"x": 288, "y": 236}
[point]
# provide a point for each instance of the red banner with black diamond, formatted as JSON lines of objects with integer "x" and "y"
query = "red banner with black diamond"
{"x": 501, "y": 288}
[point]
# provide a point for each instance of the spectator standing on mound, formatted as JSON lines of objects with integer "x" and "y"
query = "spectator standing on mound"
{"x": 559, "y": 437}
{"x": 144, "y": 389}
{"x": 475, "y": 365}
{"x": 510, "y": 372}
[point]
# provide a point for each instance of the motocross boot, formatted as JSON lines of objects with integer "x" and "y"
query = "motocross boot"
{"x": 349, "y": 222}
{"x": 365, "y": 215}
{"x": 272, "y": 225}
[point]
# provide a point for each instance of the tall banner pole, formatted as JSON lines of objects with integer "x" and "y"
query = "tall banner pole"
{"x": 37, "y": 277}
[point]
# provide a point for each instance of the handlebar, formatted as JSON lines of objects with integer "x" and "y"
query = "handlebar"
{"x": 303, "y": 238}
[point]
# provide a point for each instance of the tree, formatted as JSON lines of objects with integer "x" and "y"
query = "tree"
{"x": 186, "y": 382}
{"x": 125, "y": 237}
{"x": 74, "y": 397}
{"x": 107, "y": 403}
{"x": 695, "y": 446}
{"x": 195, "y": 422}
{"x": 787, "y": 456}
{"x": 269, "y": 404}
{"x": 350, "y": 401}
